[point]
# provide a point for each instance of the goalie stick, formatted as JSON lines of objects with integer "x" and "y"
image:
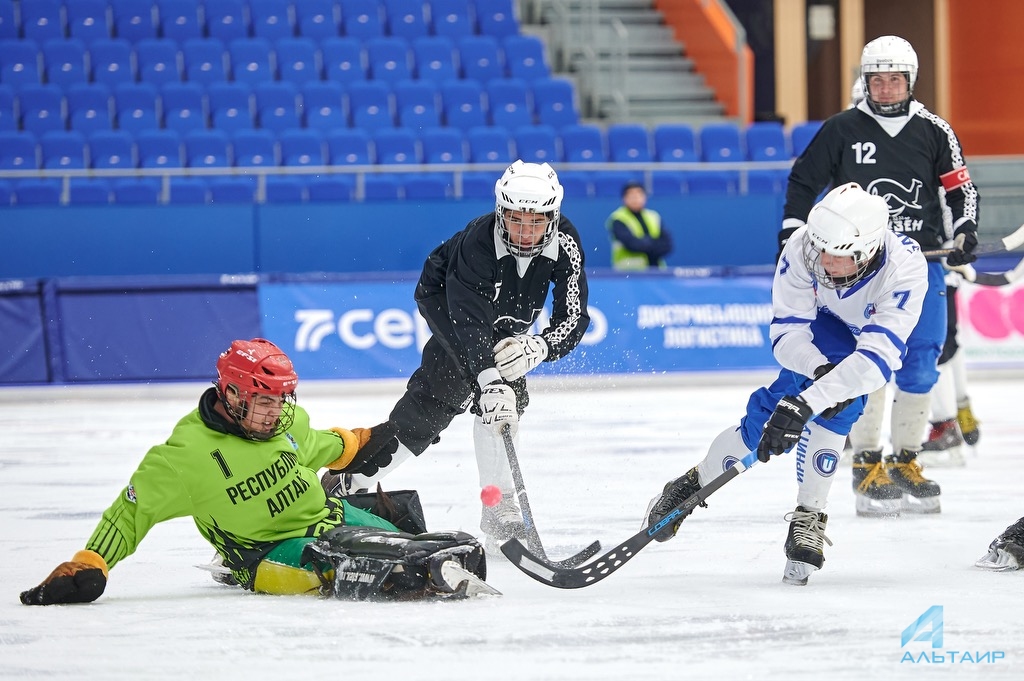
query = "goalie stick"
{"x": 532, "y": 538}
{"x": 591, "y": 573}
{"x": 1010, "y": 242}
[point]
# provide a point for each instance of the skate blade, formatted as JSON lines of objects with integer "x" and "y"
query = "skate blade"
{"x": 920, "y": 506}
{"x": 465, "y": 584}
{"x": 796, "y": 573}
{"x": 946, "y": 458}
{"x": 998, "y": 561}
{"x": 877, "y": 508}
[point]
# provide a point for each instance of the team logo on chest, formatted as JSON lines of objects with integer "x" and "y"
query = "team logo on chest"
{"x": 896, "y": 195}
{"x": 870, "y": 311}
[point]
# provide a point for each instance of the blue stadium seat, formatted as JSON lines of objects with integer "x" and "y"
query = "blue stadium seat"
{"x": 362, "y": 18}
{"x": 766, "y": 141}
{"x": 157, "y": 61}
{"x": 463, "y": 103}
{"x": 370, "y": 103}
{"x": 497, "y": 18}
{"x": 406, "y": 18}
{"x": 273, "y": 19}
{"x": 508, "y": 99}
{"x": 187, "y": 190}
{"x": 343, "y": 60}
{"x": 297, "y": 60}
{"x": 207, "y": 149}
{"x": 801, "y": 135}
{"x": 38, "y": 192}
{"x": 111, "y": 149}
{"x": 524, "y": 57}
{"x": 382, "y": 187}
{"x": 388, "y": 59}
{"x": 480, "y": 58}
{"x": 134, "y": 20}
{"x": 8, "y": 119}
{"x": 204, "y": 60}
{"x": 489, "y": 145}
{"x": 317, "y": 19}
{"x": 19, "y": 62}
{"x": 609, "y": 183}
{"x": 331, "y": 188}
{"x": 158, "y": 149}
{"x": 451, "y": 18}
{"x": 323, "y": 106}
{"x": 179, "y": 19}
{"x": 628, "y": 143}
{"x": 554, "y": 101}
{"x": 62, "y": 149}
{"x": 183, "y": 107}
{"x": 135, "y": 105}
{"x": 89, "y": 107}
{"x": 137, "y": 191}
{"x": 577, "y": 185}
{"x": 6, "y": 188}
{"x": 231, "y": 189}
{"x": 721, "y": 142}
{"x": 254, "y": 148}
{"x": 277, "y": 105}
{"x": 87, "y": 20}
{"x": 434, "y": 57}
{"x": 767, "y": 181}
{"x": 668, "y": 183}
{"x": 396, "y": 146}
{"x": 42, "y": 20}
{"x": 675, "y": 143}
{"x": 8, "y": 31}
{"x": 302, "y": 147}
{"x": 427, "y": 186}
{"x": 88, "y": 192}
{"x": 713, "y": 182}
{"x": 250, "y": 60}
{"x": 42, "y": 108}
{"x": 537, "y": 144}
{"x": 348, "y": 147}
{"x": 225, "y": 20}
{"x": 285, "y": 189}
{"x": 416, "y": 103}
{"x": 478, "y": 186}
{"x": 583, "y": 144}
{"x": 443, "y": 145}
{"x": 64, "y": 62}
{"x": 111, "y": 62}
{"x": 230, "y": 106}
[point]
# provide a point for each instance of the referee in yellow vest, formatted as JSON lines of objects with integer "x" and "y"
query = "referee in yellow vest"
{"x": 638, "y": 240}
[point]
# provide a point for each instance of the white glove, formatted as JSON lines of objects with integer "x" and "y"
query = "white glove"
{"x": 516, "y": 356}
{"x": 498, "y": 407}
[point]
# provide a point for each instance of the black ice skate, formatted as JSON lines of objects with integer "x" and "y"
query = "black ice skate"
{"x": 805, "y": 551}
{"x": 943, "y": 447}
{"x": 675, "y": 492}
{"x": 1006, "y": 552}
{"x": 968, "y": 424}
{"x": 875, "y": 494}
{"x": 920, "y": 495}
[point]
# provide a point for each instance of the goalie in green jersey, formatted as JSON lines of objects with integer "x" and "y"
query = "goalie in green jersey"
{"x": 244, "y": 466}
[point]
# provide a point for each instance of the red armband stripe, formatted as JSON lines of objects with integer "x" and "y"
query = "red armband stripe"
{"x": 955, "y": 178}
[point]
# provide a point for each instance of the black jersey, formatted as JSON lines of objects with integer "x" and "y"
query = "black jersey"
{"x": 919, "y": 170}
{"x": 488, "y": 296}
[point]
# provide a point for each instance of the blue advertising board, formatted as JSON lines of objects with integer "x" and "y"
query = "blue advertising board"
{"x": 639, "y": 324}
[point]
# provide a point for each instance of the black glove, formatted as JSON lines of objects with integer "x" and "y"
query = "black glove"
{"x": 839, "y": 406}
{"x": 80, "y": 580}
{"x": 784, "y": 235}
{"x": 377, "y": 445}
{"x": 964, "y": 243}
{"x": 784, "y": 427}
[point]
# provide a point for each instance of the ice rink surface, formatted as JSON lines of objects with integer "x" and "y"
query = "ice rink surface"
{"x": 707, "y": 605}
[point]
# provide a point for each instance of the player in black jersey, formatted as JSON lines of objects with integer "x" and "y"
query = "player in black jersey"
{"x": 481, "y": 292}
{"x": 894, "y": 147}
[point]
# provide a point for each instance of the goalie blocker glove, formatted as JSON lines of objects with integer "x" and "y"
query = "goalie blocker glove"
{"x": 79, "y": 580}
{"x": 784, "y": 427}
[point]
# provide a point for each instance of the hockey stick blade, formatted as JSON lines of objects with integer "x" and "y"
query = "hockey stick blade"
{"x": 992, "y": 278}
{"x": 591, "y": 573}
{"x": 1010, "y": 242}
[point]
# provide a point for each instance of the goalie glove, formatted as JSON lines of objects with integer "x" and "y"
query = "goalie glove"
{"x": 497, "y": 404}
{"x": 80, "y": 580}
{"x": 838, "y": 407}
{"x": 367, "y": 450}
{"x": 784, "y": 427}
{"x": 516, "y": 356}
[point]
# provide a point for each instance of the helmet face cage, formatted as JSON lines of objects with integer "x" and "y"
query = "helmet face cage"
{"x": 812, "y": 260}
{"x": 889, "y": 54}
{"x": 527, "y": 188}
{"x": 847, "y": 223}
{"x": 256, "y": 383}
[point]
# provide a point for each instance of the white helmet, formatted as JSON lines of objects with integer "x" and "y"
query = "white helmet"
{"x": 529, "y": 188}
{"x": 884, "y": 55}
{"x": 847, "y": 222}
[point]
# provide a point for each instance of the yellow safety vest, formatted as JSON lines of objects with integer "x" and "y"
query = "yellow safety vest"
{"x": 622, "y": 258}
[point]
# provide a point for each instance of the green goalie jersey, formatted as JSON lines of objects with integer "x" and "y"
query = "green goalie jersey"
{"x": 244, "y": 495}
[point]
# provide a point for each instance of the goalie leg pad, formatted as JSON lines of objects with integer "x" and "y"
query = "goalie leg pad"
{"x": 401, "y": 508}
